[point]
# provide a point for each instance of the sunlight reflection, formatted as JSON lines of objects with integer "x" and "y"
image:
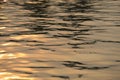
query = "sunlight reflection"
{"x": 10, "y": 76}
{"x": 11, "y": 55}
{"x": 59, "y": 40}
{"x": 3, "y": 18}
{"x": 2, "y": 27}
{"x": 31, "y": 37}
{"x": 10, "y": 44}
{"x": 2, "y": 51}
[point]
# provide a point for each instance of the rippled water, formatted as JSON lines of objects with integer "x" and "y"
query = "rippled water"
{"x": 60, "y": 40}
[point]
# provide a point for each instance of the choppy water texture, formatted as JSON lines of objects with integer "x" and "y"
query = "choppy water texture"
{"x": 60, "y": 40}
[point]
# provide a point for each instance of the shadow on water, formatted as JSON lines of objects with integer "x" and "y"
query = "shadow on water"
{"x": 68, "y": 15}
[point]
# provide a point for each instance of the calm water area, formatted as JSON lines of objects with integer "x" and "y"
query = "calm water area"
{"x": 60, "y": 40}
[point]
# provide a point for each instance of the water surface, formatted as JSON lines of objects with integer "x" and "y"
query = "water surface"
{"x": 60, "y": 40}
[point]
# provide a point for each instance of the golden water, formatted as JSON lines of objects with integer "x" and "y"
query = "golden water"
{"x": 60, "y": 40}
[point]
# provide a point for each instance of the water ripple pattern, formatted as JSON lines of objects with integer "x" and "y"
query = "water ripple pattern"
{"x": 60, "y": 40}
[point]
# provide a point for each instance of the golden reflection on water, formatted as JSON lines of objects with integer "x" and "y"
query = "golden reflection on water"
{"x": 11, "y": 55}
{"x": 10, "y": 76}
{"x": 59, "y": 40}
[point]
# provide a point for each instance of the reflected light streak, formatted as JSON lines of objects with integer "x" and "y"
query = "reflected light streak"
{"x": 2, "y": 27}
{"x": 31, "y": 37}
{"x": 10, "y": 76}
{"x": 2, "y": 51}
{"x": 11, "y": 55}
{"x": 10, "y": 44}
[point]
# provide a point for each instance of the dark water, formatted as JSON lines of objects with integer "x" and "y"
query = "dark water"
{"x": 60, "y": 40}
